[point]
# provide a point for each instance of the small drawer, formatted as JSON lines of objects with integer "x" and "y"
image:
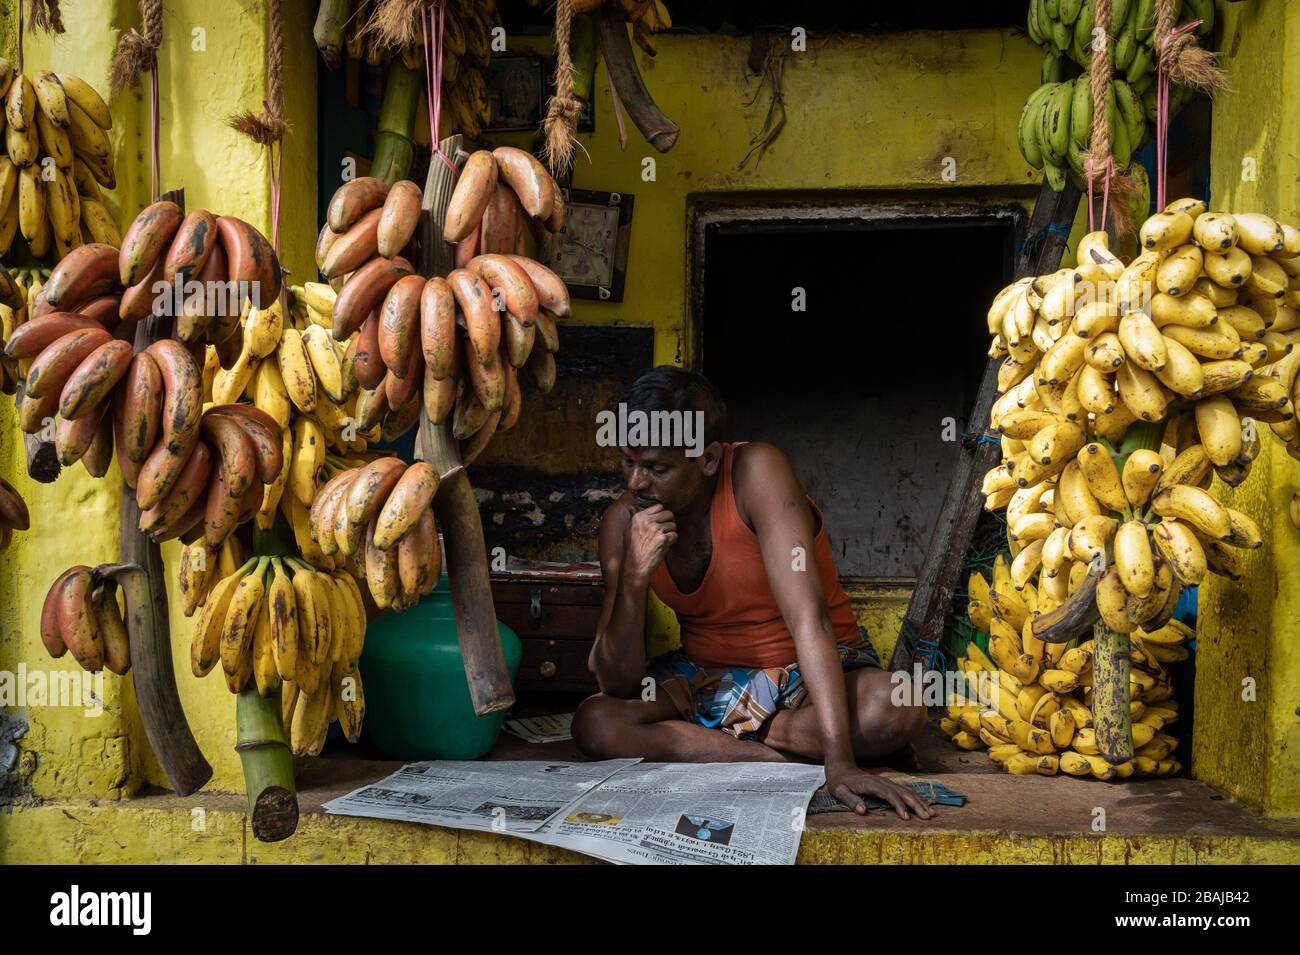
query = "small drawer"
{"x": 555, "y": 664}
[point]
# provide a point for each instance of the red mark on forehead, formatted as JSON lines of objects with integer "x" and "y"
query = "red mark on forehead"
{"x": 632, "y": 453}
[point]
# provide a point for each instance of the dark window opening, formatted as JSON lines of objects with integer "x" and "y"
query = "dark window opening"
{"x": 857, "y": 389}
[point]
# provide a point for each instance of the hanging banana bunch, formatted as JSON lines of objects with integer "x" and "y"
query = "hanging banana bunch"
{"x": 1126, "y": 389}
{"x": 56, "y": 158}
{"x": 1053, "y": 129}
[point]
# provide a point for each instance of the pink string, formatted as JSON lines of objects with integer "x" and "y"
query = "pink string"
{"x": 1162, "y": 120}
{"x": 276, "y": 169}
{"x": 433, "y": 90}
{"x": 1105, "y": 193}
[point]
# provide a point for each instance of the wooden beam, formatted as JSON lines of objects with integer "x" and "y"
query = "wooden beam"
{"x": 927, "y": 611}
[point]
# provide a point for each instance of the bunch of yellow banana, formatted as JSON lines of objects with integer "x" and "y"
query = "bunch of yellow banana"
{"x": 57, "y": 155}
{"x": 29, "y": 282}
{"x": 1204, "y": 320}
{"x": 1143, "y": 520}
{"x": 1029, "y": 702}
{"x": 319, "y": 375}
{"x": 286, "y": 625}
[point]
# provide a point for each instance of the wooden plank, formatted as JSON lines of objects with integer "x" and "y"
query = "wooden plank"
{"x": 927, "y": 611}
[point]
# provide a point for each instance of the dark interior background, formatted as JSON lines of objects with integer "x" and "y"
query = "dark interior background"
{"x": 856, "y": 388}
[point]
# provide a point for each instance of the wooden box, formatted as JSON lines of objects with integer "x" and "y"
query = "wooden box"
{"x": 555, "y": 616}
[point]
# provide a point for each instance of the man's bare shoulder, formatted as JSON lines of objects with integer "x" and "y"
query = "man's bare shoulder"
{"x": 613, "y": 523}
{"x": 762, "y": 474}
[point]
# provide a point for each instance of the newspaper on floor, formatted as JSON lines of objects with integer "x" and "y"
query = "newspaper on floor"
{"x": 554, "y": 728}
{"x": 690, "y": 814}
{"x": 515, "y": 797}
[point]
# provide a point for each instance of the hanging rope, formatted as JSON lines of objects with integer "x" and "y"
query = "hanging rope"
{"x": 138, "y": 53}
{"x": 1099, "y": 164}
{"x": 397, "y": 25}
{"x": 269, "y": 127}
{"x": 1178, "y": 60}
{"x": 561, "y": 121}
{"x": 45, "y": 15}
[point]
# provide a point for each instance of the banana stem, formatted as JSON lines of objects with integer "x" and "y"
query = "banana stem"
{"x": 1110, "y": 694}
{"x": 394, "y": 147}
{"x": 1110, "y": 665}
{"x": 328, "y": 31}
{"x": 268, "y": 765}
{"x": 276, "y": 542}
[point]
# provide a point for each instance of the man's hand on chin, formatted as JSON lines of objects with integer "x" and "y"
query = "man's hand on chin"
{"x": 849, "y": 784}
{"x": 650, "y": 533}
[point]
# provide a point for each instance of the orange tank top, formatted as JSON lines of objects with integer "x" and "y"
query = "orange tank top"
{"x": 732, "y": 618}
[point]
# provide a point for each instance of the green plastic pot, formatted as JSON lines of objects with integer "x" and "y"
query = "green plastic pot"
{"x": 417, "y": 697}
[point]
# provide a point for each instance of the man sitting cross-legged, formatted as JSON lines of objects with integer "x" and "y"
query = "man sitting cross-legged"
{"x": 773, "y": 665}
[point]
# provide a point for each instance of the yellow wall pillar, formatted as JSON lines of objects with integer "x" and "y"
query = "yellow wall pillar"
{"x": 1248, "y": 661}
{"x": 212, "y": 64}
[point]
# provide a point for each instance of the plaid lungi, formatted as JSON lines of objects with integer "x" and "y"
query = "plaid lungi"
{"x": 739, "y": 701}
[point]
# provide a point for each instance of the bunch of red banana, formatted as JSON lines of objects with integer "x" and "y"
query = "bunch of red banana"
{"x": 404, "y": 344}
{"x": 13, "y": 513}
{"x": 367, "y": 228}
{"x": 379, "y": 518}
{"x": 220, "y": 265}
{"x": 215, "y": 480}
{"x": 81, "y": 614}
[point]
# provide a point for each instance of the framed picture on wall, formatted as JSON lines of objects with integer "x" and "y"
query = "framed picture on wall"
{"x": 519, "y": 90}
{"x": 590, "y": 255}
{"x": 515, "y": 90}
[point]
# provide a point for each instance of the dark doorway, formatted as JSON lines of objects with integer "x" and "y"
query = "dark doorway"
{"x": 869, "y": 387}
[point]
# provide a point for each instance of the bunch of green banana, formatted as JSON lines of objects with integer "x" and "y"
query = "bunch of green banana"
{"x": 56, "y": 156}
{"x": 1029, "y": 703}
{"x": 1055, "y": 128}
{"x": 1065, "y": 27}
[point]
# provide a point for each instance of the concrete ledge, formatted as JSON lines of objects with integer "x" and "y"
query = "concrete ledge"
{"x": 1017, "y": 820}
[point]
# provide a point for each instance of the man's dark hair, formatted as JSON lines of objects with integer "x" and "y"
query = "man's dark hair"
{"x": 670, "y": 388}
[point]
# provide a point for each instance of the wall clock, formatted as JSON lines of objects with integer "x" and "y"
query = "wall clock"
{"x": 590, "y": 255}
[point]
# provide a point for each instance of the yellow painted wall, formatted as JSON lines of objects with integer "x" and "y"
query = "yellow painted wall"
{"x": 1251, "y": 630}
{"x": 863, "y": 113}
{"x": 212, "y": 65}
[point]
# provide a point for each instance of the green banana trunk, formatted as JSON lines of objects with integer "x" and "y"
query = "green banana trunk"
{"x": 267, "y": 763}
{"x": 394, "y": 141}
{"x": 331, "y": 20}
{"x": 1111, "y": 713}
